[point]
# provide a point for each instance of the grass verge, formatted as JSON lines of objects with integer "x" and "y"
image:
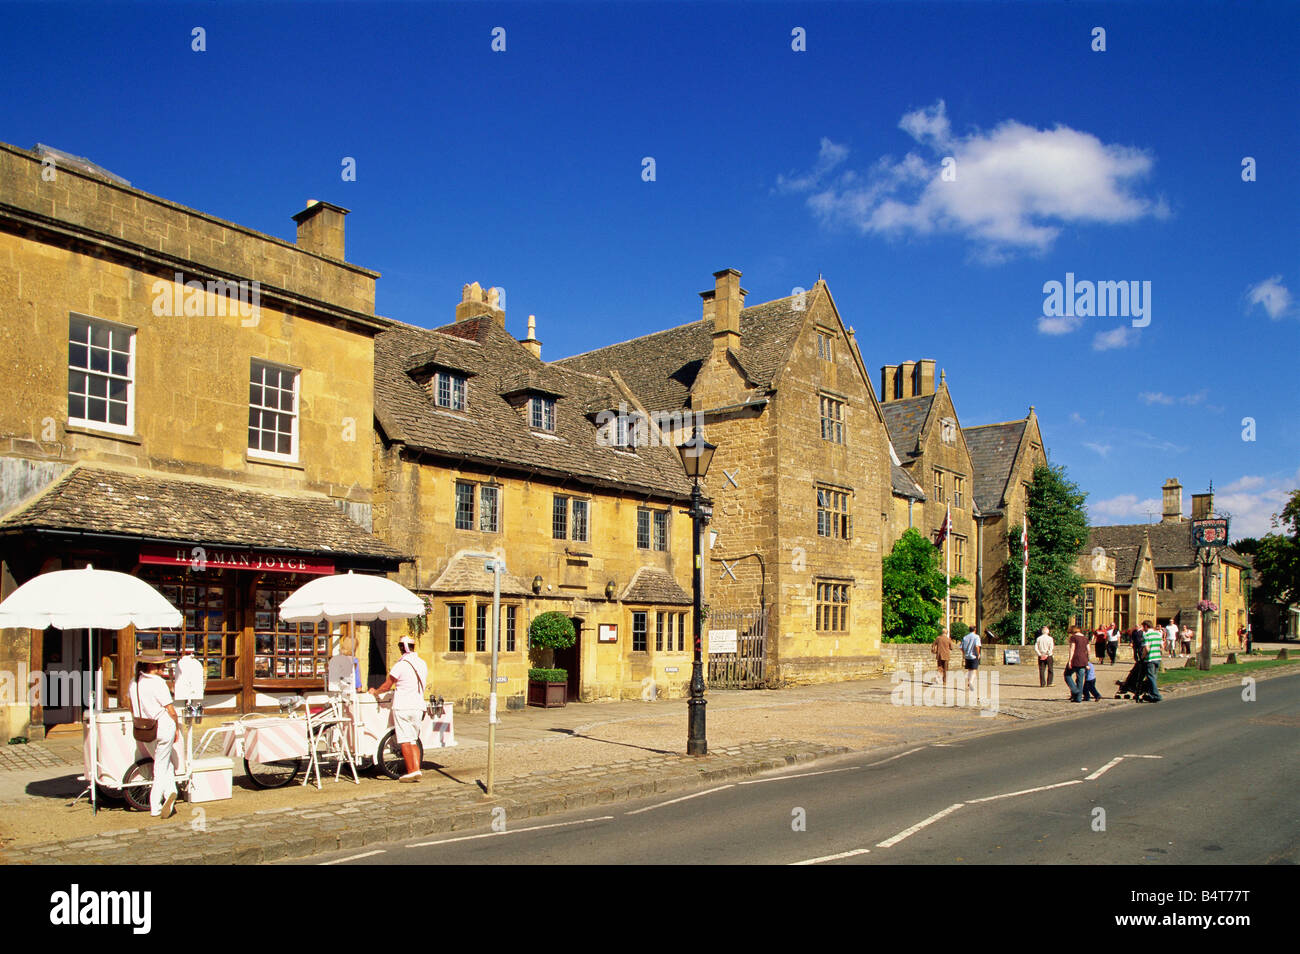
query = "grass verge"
{"x": 1176, "y": 676}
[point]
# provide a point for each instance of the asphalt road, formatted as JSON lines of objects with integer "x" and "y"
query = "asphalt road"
{"x": 1202, "y": 779}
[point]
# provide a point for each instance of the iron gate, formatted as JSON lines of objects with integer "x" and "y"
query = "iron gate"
{"x": 746, "y": 668}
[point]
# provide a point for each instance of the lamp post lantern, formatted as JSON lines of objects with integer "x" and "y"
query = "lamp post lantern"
{"x": 697, "y": 454}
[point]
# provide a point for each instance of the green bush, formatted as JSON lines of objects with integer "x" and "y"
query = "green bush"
{"x": 548, "y": 675}
{"x": 551, "y": 630}
{"x": 958, "y": 630}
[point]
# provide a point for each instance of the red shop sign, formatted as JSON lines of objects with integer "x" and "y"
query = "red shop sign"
{"x": 199, "y": 557}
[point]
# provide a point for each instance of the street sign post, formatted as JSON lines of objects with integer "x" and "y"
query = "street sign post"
{"x": 1209, "y": 535}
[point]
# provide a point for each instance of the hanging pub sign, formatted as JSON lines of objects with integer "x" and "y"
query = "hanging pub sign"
{"x": 1210, "y": 533}
{"x": 196, "y": 556}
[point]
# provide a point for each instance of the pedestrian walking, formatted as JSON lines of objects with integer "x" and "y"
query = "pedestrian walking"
{"x": 970, "y": 653}
{"x": 1112, "y": 642}
{"x": 1044, "y": 645}
{"x": 1099, "y": 643}
{"x": 1153, "y": 639}
{"x": 150, "y": 699}
{"x": 1090, "y": 685}
{"x": 1078, "y": 664}
{"x": 942, "y": 649}
{"x": 407, "y": 679}
{"x": 1185, "y": 634}
{"x": 1171, "y": 638}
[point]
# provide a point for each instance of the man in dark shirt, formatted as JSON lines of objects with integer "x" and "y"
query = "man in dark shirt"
{"x": 1076, "y": 669}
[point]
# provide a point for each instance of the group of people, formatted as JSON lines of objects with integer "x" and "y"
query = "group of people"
{"x": 151, "y": 699}
{"x": 1149, "y": 644}
{"x": 942, "y": 649}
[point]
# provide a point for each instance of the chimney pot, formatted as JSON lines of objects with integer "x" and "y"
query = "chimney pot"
{"x": 475, "y": 301}
{"x": 1173, "y": 501}
{"x": 727, "y": 299}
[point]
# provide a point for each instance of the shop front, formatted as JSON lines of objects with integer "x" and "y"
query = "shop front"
{"x": 228, "y": 584}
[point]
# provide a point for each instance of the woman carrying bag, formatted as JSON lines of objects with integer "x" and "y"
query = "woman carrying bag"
{"x": 154, "y": 720}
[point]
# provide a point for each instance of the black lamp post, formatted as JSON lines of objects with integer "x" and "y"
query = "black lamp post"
{"x": 697, "y": 454}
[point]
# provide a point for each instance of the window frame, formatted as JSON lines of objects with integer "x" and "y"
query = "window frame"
{"x": 452, "y": 628}
{"x": 457, "y": 390}
{"x": 835, "y": 522}
{"x": 292, "y": 456}
{"x": 544, "y": 407}
{"x": 831, "y": 606}
{"x": 129, "y": 378}
{"x": 833, "y": 419}
{"x": 640, "y": 645}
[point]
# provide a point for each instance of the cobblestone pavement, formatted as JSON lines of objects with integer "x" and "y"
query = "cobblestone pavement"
{"x": 32, "y": 756}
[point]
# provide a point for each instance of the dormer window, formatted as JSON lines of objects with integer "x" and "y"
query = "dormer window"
{"x": 628, "y": 431}
{"x": 449, "y": 390}
{"x": 541, "y": 413}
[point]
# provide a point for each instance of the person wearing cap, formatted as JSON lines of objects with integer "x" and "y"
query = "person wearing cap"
{"x": 151, "y": 699}
{"x": 407, "y": 679}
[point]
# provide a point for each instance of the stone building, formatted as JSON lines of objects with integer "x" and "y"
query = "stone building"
{"x": 484, "y": 450}
{"x": 1119, "y": 584}
{"x": 801, "y": 481}
{"x": 931, "y": 450}
{"x": 196, "y": 406}
{"x": 1178, "y": 577}
{"x": 1003, "y": 457}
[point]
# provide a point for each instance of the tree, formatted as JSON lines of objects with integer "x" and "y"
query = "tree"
{"x": 1058, "y": 533}
{"x": 913, "y": 588}
{"x": 1277, "y": 559}
{"x": 548, "y": 632}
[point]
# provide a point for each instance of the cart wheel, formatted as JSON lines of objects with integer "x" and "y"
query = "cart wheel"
{"x": 105, "y": 794}
{"x": 136, "y": 785}
{"x": 391, "y": 762}
{"x": 273, "y": 774}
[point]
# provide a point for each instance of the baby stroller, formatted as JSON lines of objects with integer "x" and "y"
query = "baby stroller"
{"x": 1134, "y": 685}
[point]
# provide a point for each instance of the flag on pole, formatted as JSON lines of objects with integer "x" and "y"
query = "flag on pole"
{"x": 945, "y": 529}
{"x": 1024, "y": 542}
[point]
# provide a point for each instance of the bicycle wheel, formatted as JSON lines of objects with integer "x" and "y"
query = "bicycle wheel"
{"x": 391, "y": 762}
{"x": 136, "y": 785}
{"x": 273, "y": 774}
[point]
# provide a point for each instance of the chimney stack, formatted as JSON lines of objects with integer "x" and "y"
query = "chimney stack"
{"x": 724, "y": 304}
{"x": 476, "y": 301}
{"x": 1202, "y": 506}
{"x": 907, "y": 371}
{"x": 1173, "y": 508}
{"x": 320, "y": 228}
{"x": 924, "y": 383}
{"x": 531, "y": 342}
{"x": 888, "y": 382}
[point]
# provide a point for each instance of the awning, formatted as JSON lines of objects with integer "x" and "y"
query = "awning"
{"x": 213, "y": 515}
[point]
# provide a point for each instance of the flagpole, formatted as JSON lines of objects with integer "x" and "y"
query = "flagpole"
{"x": 947, "y": 590}
{"x": 1024, "y": 570}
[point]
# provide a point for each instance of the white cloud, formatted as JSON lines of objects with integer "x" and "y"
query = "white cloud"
{"x": 829, "y": 156}
{"x": 1251, "y": 500}
{"x": 1125, "y": 508}
{"x": 1102, "y": 450}
{"x": 1156, "y": 397}
{"x": 1077, "y": 418}
{"x": 1120, "y": 337}
{"x": 1272, "y": 295}
{"x": 1016, "y": 187}
{"x": 1057, "y": 326}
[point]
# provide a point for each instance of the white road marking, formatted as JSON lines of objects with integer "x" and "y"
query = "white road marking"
{"x": 890, "y": 842}
{"x": 1105, "y": 768}
{"x": 339, "y": 861}
{"x": 782, "y": 778}
{"x": 1143, "y": 756}
{"x": 674, "y": 801}
{"x": 842, "y": 854}
{"x": 892, "y": 757}
{"x": 512, "y": 831}
{"x": 1025, "y": 791}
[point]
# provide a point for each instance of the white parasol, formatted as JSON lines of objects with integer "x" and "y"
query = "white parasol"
{"x": 351, "y": 597}
{"x": 88, "y": 599}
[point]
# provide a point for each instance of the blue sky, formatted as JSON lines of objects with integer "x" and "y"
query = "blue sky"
{"x": 524, "y": 169}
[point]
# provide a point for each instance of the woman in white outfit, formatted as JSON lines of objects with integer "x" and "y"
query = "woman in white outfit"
{"x": 151, "y": 699}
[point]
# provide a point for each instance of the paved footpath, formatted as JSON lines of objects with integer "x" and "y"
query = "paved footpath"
{"x": 548, "y": 761}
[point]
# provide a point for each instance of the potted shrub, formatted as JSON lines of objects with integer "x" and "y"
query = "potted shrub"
{"x": 548, "y": 686}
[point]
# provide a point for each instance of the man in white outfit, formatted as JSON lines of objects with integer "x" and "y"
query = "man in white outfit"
{"x": 407, "y": 680}
{"x": 151, "y": 699}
